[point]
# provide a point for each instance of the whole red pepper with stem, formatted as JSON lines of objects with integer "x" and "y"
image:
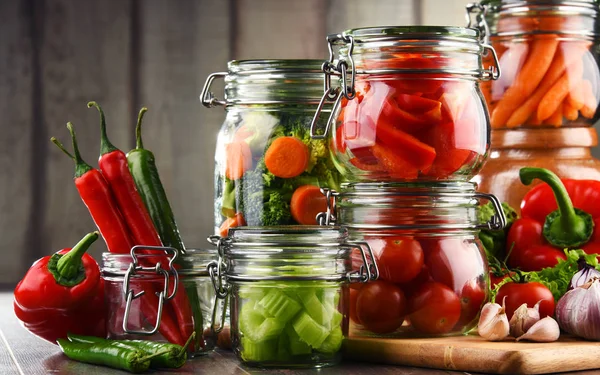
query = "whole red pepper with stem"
{"x": 555, "y": 216}
{"x": 63, "y": 293}
{"x": 115, "y": 168}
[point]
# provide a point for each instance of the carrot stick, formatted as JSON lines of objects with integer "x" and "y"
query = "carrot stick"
{"x": 556, "y": 117}
{"x": 534, "y": 69}
{"x": 559, "y": 91}
{"x": 576, "y": 98}
{"x": 307, "y": 201}
{"x": 534, "y": 119}
{"x": 571, "y": 113}
{"x": 287, "y": 157}
{"x": 591, "y": 102}
{"x": 565, "y": 57}
{"x": 238, "y": 159}
{"x": 231, "y": 222}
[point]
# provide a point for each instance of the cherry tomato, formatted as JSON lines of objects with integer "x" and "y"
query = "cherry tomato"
{"x": 412, "y": 286}
{"x": 353, "y": 298}
{"x": 453, "y": 262}
{"x": 434, "y": 308}
{"x": 472, "y": 297}
{"x": 381, "y": 307}
{"x": 401, "y": 259}
{"x": 530, "y": 293}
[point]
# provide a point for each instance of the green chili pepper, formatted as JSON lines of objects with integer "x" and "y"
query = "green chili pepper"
{"x": 111, "y": 354}
{"x": 147, "y": 180}
{"x": 173, "y": 355}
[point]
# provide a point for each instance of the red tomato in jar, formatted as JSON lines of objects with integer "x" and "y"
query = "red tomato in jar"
{"x": 353, "y": 298}
{"x": 381, "y": 307}
{"x": 453, "y": 261}
{"x": 472, "y": 297}
{"x": 412, "y": 286}
{"x": 434, "y": 309}
{"x": 530, "y": 293}
{"x": 400, "y": 260}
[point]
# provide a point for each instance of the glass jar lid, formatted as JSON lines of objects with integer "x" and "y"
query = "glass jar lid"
{"x": 250, "y": 82}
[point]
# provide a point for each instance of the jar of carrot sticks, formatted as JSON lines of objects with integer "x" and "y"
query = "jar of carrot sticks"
{"x": 407, "y": 104}
{"x": 268, "y": 170}
{"x": 544, "y": 105}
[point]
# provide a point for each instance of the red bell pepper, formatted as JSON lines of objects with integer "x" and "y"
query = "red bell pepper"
{"x": 63, "y": 293}
{"x": 555, "y": 216}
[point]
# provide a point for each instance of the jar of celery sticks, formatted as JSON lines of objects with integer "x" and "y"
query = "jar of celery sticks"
{"x": 288, "y": 288}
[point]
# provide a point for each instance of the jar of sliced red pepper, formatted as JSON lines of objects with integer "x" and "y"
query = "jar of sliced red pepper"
{"x": 432, "y": 269}
{"x": 408, "y": 104}
{"x": 133, "y": 315}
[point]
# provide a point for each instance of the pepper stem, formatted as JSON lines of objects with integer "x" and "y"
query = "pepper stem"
{"x": 81, "y": 167}
{"x": 69, "y": 264}
{"x": 567, "y": 226}
{"x": 187, "y": 344}
{"x": 105, "y": 145}
{"x": 138, "y": 129}
{"x": 61, "y": 147}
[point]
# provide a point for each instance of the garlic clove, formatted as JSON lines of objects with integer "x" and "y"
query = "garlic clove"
{"x": 544, "y": 330}
{"x": 493, "y": 323}
{"x": 523, "y": 318}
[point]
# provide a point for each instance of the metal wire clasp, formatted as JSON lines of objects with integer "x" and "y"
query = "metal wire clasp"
{"x": 129, "y": 294}
{"x": 328, "y": 217}
{"x": 217, "y": 269}
{"x": 368, "y": 270}
{"x": 207, "y": 97}
{"x": 498, "y": 221}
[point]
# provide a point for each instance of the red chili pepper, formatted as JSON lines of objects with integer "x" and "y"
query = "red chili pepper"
{"x": 114, "y": 166}
{"x": 63, "y": 293}
{"x": 554, "y": 216}
{"x": 95, "y": 193}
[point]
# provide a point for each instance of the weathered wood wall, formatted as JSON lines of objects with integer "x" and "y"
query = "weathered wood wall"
{"x": 55, "y": 55}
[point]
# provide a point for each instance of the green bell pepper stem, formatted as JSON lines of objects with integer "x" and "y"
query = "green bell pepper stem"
{"x": 567, "y": 226}
{"x": 70, "y": 263}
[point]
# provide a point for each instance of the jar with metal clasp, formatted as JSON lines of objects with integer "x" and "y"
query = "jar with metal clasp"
{"x": 153, "y": 293}
{"x": 433, "y": 273}
{"x": 289, "y": 292}
{"x": 407, "y": 104}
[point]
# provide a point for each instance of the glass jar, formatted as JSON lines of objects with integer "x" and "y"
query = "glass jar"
{"x": 548, "y": 53}
{"x": 409, "y": 105}
{"x": 152, "y": 294}
{"x": 433, "y": 277}
{"x": 268, "y": 170}
{"x": 288, "y": 289}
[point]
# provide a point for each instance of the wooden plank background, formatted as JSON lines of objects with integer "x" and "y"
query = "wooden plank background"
{"x": 55, "y": 55}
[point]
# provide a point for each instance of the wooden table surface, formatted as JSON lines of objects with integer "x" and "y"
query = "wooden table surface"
{"x": 21, "y": 353}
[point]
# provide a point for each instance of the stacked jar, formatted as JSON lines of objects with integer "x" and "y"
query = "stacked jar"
{"x": 408, "y": 129}
{"x": 544, "y": 105}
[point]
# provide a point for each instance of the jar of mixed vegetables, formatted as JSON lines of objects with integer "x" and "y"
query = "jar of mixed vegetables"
{"x": 407, "y": 103}
{"x": 544, "y": 105}
{"x": 433, "y": 276}
{"x": 152, "y": 286}
{"x": 288, "y": 288}
{"x": 268, "y": 169}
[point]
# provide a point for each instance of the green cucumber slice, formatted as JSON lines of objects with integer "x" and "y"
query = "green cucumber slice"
{"x": 310, "y": 331}
{"x": 258, "y": 351}
{"x": 333, "y": 342}
{"x": 279, "y": 305}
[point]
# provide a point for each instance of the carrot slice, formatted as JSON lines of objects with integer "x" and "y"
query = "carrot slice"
{"x": 238, "y": 159}
{"x": 231, "y": 222}
{"x": 287, "y": 157}
{"x": 591, "y": 102}
{"x": 565, "y": 57}
{"x": 559, "y": 91}
{"x": 307, "y": 201}
{"x": 534, "y": 69}
{"x": 571, "y": 113}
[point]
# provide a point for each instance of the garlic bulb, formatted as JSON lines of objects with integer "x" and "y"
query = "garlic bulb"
{"x": 578, "y": 311}
{"x": 523, "y": 318}
{"x": 544, "y": 330}
{"x": 493, "y": 323}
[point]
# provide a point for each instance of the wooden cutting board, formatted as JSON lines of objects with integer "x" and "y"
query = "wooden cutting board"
{"x": 472, "y": 353}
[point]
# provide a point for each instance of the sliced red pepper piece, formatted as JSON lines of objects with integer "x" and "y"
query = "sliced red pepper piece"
{"x": 376, "y": 167}
{"x": 396, "y": 166}
{"x": 392, "y": 114}
{"x": 406, "y": 146}
{"x": 416, "y": 104}
{"x": 449, "y": 158}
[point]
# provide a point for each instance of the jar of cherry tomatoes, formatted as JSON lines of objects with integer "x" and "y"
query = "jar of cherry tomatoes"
{"x": 543, "y": 107}
{"x": 433, "y": 277}
{"x": 408, "y": 105}
{"x": 268, "y": 170}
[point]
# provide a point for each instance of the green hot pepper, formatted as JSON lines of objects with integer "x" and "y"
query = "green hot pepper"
{"x": 111, "y": 354}
{"x": 169, "y": 355}
{"x": 147, "y": 180}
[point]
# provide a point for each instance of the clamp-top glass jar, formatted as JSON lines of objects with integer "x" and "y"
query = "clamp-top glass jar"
{"x": 288, "y": 288}
{"x": 409, "y": 105}
{"x": 268, "y": 169}
{"x": 433, "y": 277}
